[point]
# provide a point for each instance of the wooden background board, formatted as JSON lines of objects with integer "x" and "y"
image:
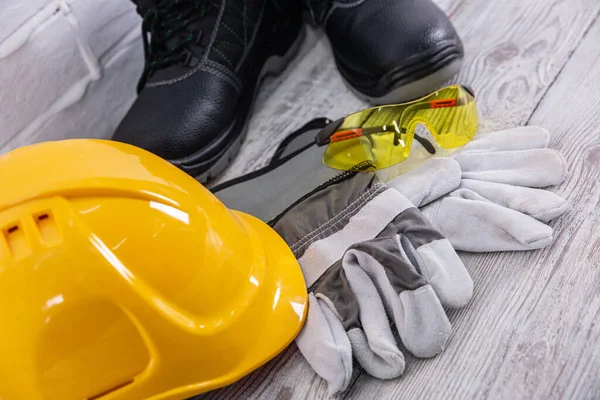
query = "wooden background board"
{"x": 532, "y": 329}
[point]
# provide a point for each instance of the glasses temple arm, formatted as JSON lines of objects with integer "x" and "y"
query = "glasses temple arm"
{"x": 425, "y": 143}
{"x": 324, "y": 136}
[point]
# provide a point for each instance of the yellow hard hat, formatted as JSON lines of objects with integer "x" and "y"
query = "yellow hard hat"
{"x": 121, "y": 277}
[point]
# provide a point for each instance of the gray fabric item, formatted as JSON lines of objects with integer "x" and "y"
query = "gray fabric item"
{"x": 489, "y": 196}
{"x": 268, "y": 195}
{"x": 300, "y": 141}
{"x": 349, "y": 200}
{"x": 371, "y": 259}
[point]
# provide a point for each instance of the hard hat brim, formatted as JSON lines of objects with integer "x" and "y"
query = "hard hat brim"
{"x": 284, "y": 288}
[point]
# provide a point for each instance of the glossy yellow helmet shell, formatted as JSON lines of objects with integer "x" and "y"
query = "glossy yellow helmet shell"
{"x": 123, "y": 278}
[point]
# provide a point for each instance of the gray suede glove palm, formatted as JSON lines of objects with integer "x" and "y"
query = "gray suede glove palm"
{"x": 370, "y": 259}
{"x": 488, "y": 196}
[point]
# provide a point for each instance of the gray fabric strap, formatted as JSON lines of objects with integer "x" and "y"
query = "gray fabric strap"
{"x": 268, "y": 195}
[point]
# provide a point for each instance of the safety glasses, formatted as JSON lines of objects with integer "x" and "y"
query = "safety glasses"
{"x": 380, "y": 137}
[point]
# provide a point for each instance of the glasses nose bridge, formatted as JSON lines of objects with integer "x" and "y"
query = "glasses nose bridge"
{"x": 399, "y": 125}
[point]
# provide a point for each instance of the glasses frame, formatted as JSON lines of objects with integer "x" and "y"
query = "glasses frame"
{"x": 329, "y": 134}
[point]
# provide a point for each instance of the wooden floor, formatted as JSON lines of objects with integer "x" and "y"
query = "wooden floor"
{"x": 532, "y": 329}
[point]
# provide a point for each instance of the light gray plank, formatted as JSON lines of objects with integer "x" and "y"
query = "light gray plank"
{"x": 565, "y": 316}
{"x": 532, "y": 328}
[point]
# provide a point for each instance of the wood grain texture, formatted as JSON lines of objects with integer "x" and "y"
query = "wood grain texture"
{"x": 532, "y": 330}
{"x": 310, "y": 87}
{"x": 514, "y": 50}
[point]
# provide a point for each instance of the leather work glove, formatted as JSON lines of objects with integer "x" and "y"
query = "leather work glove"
{"x": 488, "y": 196}
{"x": 485, "y": 197}
{"x": 370, "y": 257}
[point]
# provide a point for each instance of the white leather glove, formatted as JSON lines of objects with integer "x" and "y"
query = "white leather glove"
{"x": 488, "y": 196}
{"x": 371, "y": 259}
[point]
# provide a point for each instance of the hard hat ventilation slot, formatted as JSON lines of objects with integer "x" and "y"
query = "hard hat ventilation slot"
{"x": 109, "y": 391}
{"x": 16, "y": 240}
{"x": 47, "y": 227}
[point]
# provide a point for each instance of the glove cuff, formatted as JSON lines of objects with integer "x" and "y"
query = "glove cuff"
{"x": 320, "y": 240}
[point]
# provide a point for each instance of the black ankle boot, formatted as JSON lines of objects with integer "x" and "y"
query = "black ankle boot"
{"x": 204, "y": 62}
{"x": 390, "y": 50}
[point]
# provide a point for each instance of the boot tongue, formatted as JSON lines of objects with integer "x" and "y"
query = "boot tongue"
{"x": 198, "y": 29}
{"x": 317, "y": 9}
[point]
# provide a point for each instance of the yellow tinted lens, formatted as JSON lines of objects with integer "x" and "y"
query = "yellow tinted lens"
{"x": 375, "y": 150}
{"x": 451, "y": 116}
{"x": 369, "y": 136}
{"x": 382, "y": 136}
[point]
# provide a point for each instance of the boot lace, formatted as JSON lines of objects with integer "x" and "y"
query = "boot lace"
{"x": 168, "y": 30}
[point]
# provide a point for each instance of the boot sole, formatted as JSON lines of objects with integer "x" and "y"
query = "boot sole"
{"x": 413, "y": 90}
{"x": 274, "y": 66}
{"x": 426, "y": 76}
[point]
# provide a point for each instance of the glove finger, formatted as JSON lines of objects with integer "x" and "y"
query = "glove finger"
{"x": 539, "y": 204}
{"x": 480, "y": 226}
{"x": 519, "y": 138}
{"x": 434, "y": 179}
{"x": 372, "y": 341}
{"x": 418, "y": 314}
{"x": 531, "y": 168}
{"x": 324, "y": 344}
{"x": 443, "y": 269}
{"x": 436, "y": 259}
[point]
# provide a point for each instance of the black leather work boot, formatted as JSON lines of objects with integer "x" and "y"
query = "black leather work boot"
{"x": 390, "y": 51}
{"x": 204, "y": 62}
